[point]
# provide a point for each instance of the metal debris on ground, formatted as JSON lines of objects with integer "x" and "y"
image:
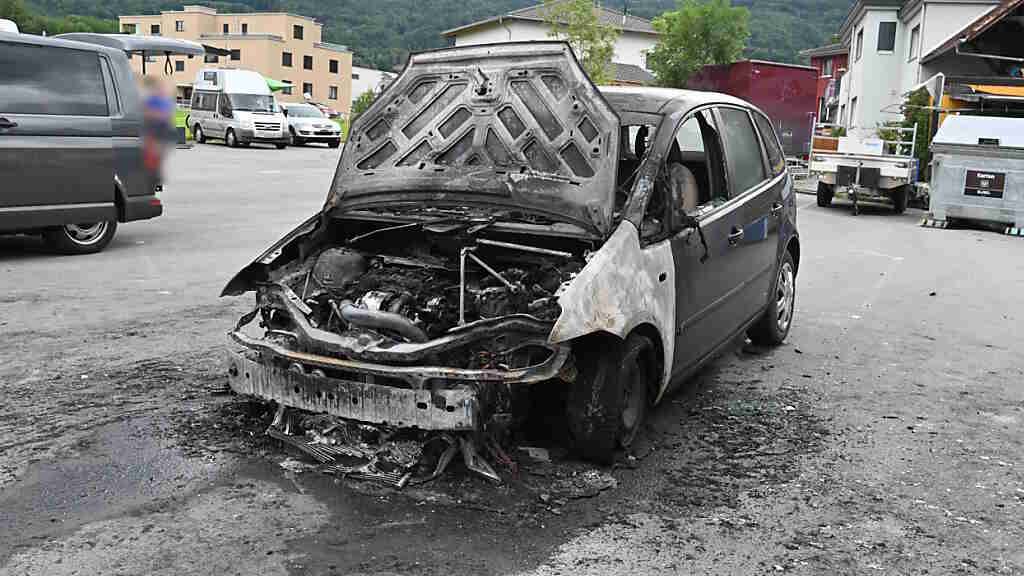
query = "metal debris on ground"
{"x": 390, "y": 456}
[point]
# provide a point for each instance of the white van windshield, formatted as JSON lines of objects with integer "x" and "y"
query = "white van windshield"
{"x": 252, "y": 102}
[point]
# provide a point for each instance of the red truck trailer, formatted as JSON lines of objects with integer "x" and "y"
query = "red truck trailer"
{"x": 785, "y": 92}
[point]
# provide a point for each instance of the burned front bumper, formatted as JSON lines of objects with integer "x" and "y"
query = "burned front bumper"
{"x": 423, "y": 397}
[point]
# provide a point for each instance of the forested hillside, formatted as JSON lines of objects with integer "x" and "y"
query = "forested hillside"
{"x": 381, "y": 32}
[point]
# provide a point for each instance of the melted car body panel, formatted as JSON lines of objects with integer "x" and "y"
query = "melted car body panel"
{"x": 622, "y": 287}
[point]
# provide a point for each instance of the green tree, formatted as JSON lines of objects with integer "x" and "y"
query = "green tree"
{"x": 577, "y": 22}
{"x": 15, "y": 11}
{"x": 361, "y": 104}
{"x": 697, "y": 33}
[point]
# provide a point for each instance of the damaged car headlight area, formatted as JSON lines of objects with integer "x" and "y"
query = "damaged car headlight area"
{"x": 406, "y": 327}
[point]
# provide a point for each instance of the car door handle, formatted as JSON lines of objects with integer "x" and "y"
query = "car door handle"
{"x": 735, "y": 236}
{"x": 776, "y": 208}
{"x": 5, "y": 123}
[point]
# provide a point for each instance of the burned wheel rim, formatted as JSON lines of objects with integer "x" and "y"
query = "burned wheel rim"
{"x": 634, "y": 402}
{"x": 86, "y": 234}
{"x": 785, "y": 296}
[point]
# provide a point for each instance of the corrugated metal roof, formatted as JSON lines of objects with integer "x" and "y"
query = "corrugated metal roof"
{"x": 828, "y": 50}
{"x": 535, "y": 13}
{"x": 632, "y": 74}
{"x": 967, "y": 130}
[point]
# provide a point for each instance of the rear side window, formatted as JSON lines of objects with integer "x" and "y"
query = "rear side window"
{"x": 51, "y": 81}
{"x": 776, "y": 159}
{"x": 742, "y": 150}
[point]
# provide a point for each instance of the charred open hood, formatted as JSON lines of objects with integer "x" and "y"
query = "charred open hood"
{"x": 515, "y": 126}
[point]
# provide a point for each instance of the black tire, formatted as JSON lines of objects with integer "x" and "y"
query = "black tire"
{"x": 84, "y": 238}
{"x": 825, "y": 194}
{"x": 900, "y": 197}
{"x": 198, "y": 135}
{"x": 773, "y": 327}
{"x": 294, "y": 140}
{"x": 280, "y": 146}
{"x": 230, "y": 139}
{"x": 334, "y": 143}
{"x": 609, "y": 399}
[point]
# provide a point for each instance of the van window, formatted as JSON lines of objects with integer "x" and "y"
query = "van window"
{"x": 742, "y": 150}
{"x": 776, "y": 159}
{"x": 60, "y": 81}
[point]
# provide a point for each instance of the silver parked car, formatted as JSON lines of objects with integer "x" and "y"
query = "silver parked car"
{"x": 306, "y": 123}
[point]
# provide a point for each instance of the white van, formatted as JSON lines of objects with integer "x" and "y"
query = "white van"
{"x": 237, "y": 107}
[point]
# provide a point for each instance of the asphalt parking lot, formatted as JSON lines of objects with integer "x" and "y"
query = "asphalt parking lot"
{"x": 883, "y": 438}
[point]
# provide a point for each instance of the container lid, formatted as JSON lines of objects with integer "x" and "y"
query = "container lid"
{"x": 981, "y": 130}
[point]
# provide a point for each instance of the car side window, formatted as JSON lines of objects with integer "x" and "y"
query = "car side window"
{"x": 51, "y": 81}
{"x": 742, "y": 150}
{"x": 776, "y": 159}
{"x": 225, "y": 106}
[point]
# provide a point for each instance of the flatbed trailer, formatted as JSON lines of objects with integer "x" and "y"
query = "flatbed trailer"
{"x": 865, "y": 170}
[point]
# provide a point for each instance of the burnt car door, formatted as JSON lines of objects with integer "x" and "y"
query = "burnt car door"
{"x": 754, "y": 238}
{"x": 706, "y": 277}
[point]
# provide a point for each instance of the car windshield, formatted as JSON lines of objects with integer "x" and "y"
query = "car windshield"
{"x": 253, "y": 102}
{"x": 304, "y": 112}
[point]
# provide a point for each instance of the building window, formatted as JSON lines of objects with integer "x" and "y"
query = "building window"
{"x": 226, "y": 28}
{"x": 236, "y": 54}
{"x": 332, "y": 92}
{"x": 915, "y": 43}
{"x": 859, "y": 45}
{"x": 211, "y": 58}
{"x": 245, "y": 28}
{"x": 853, "y": 112}
{"x": 154, "y": 29}
{"x": 886, "y": 36}
{"x": 128, "y": 29}
{"x": 307, "y": 89}
{"x": 287, "y": 89}
{"x": 179, "y": 25}
{"x": 826, "y": 67}
{"x": 179, "y": 65}
{"x": 297, "y": 32}
{"x": 333, "y": 66}
{"x": 307, "y": 62}
{"x": 286, "y": 59}
{"x": 355, "y": 76}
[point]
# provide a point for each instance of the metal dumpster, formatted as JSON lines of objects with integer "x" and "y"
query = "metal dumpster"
{"x": 978, "y": 172}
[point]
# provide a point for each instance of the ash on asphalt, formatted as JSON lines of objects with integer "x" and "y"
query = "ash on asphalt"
{"x": 728, "y": 433}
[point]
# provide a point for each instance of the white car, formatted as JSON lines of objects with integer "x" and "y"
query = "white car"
{"x": 306, "y": 123}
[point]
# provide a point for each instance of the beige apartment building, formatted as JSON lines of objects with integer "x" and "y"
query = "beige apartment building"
{"x": 284, "y": 47}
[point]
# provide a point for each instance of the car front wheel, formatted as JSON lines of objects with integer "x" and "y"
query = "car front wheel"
{"x": 609, "y": 399}
{"x": 82, "y": 238}
{"x": 198, "y": 135}
{"x": 773, "y": 327}
{"x": 230, "y": 139}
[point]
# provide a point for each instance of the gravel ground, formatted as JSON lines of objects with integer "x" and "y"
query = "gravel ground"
{"x": 883, "y": 438}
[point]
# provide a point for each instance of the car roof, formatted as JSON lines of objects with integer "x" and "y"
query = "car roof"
{"x": 34, "y": 40}
{"x": 664, "y": 100}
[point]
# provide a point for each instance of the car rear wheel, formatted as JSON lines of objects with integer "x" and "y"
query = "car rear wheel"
{"x": 772, "y": 328}
{"x": 198, "y": 135}
{"x": 609, "y": 399}
{"x": 230, "y": 139}
{"x": 81, "y": 238}
{"x": 825, "y": 194}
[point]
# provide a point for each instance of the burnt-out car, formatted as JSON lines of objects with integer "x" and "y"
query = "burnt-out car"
{"x": 498, "y": 225}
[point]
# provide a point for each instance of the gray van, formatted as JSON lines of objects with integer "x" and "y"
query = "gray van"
{"x": 71, "y": 143}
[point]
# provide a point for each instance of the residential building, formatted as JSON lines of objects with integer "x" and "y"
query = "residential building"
{"x": 366, "y": 79}
{"x": 830, "y": 62}
{"x": 637, "y": 37}
{"x": 886, "y": 40}
{"x": 785, "y": 92}
{"x": 284, "y": 47}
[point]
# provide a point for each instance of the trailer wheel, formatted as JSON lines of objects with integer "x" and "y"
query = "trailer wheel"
{"x": 899, "y": 199}
{"x": 825, "y": 194}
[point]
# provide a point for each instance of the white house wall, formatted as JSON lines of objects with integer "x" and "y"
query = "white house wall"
{"x": 629, "y": 49}
{"x": 369, "y": 79}
{"x": 873, "y": 79}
